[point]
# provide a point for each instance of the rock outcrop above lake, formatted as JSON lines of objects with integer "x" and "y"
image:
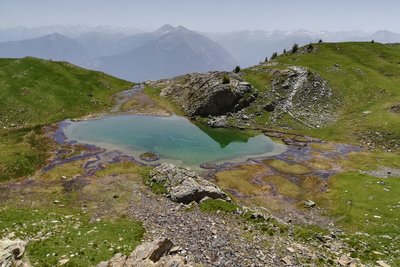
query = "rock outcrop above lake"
{"x": 301, "y": 94}
{"x": 212, "y": 93}
{"x": 158, "y": 253}
{"x": 228, "y": 100}
{"x": 12, "y": 252}
{"x": 184, "y": 185}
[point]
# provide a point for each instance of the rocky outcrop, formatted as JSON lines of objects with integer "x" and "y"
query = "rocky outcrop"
{"x": 12, "y": 252}
{"x": 184, "y": 185}
{"x": 395, "y": 108}
{"x": 158, "y": 253}
{"x": 210, "y": 93}
{"x": 303, "y": 95}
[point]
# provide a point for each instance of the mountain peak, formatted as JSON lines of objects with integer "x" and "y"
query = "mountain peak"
{"x": 54, "y": 36}
{"x": 181, "y": 28}
{"x": 165, "y": 28}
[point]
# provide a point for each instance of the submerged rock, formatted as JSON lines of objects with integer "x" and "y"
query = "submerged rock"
{"x": 155, "y": 253}
{"x": 12, "y": 252}
{"x": 208, "y": 165}
{"x": 184, "y": 185}
{"x": 149, "y": 156}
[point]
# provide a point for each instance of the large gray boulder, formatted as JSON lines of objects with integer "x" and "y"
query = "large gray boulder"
{"x": 184, "y": 185}
{"x": 150, "y": 254}
{"x": 12, "y": 252}
{"x": 206, "y": 93}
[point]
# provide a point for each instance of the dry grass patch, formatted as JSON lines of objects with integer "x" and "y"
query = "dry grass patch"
{"x": 240, "y": 179}
{"x": 287, "y": 168}
{"x": 68, "y": 170}
{"x": 284, "y": 186}
{"x": 318, "y": 163}
{"x": 323, "y": 146}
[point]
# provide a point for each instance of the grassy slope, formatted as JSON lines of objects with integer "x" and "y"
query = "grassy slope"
{"x": 366, "y": 80}
{"x": 36, "y": 92}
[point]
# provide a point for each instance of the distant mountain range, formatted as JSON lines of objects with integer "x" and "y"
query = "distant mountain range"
{"x": 53, "y": 46}
{"x": 163, "y": 53}
{"x": 21, "y": 33}
{"x": 251, "y": 47}
{"x": 169, "y": 51}
{"x": 166, "y": 52}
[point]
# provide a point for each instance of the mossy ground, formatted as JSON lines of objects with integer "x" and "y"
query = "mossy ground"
{"x": 84, "y": 219}
{"x": 366, "y": 207}
{"x": 56, "y": 233}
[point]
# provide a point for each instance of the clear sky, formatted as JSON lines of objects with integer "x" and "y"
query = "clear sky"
{"x": 207, "y": 15}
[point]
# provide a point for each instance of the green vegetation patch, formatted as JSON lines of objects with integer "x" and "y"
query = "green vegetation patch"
{"x": 364, "y": 76}
{"x": 371, "y": 206}
{"x": 35, "y": 92}
{"x": 38, "y": 92}
{"x": 156, "y": 187}
{"x": 213, "y": 205}
{"x": 261, "y": 80}
{"x": 164, "y": 102}
{"x": 57, "y": 234}
{"x": 22, "y": 151}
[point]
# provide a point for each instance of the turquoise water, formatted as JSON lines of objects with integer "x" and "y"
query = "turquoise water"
{"x": 175, "y": 139}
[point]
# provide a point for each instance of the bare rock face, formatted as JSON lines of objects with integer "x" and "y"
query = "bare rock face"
{"x": 207, "y": 94}
{"x": 303, "y": 95}
{"x": 12, "y": 252}
{"x": 184, "y": 185}
{"x": 156, "y": 253}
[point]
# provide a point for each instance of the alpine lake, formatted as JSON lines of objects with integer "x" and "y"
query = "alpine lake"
{"x": 174, "y": 139}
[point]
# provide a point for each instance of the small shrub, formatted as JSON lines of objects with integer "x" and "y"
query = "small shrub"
{"x": 226, "y": 79}
{"x": 320, "y": 41}
{"x": 310, "y": 47}
{"x": 373, "y": 41}
{"x": 295, "y": 48}
{"x": 284, "y": 51}
{"x": 237, "y": 69}
{"x": 274, "y": 55}
{"x": 266, "y": 59}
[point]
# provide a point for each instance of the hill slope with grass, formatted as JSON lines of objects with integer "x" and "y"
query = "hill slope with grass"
{"x": 364, "y": 77}
{"x": 35, "y": 92}
{"x": 343, "y": 92}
